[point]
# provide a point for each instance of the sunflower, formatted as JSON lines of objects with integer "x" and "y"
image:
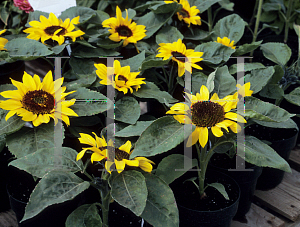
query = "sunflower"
{"x": 37, "y": 101}
{"x": 123, "y": 29}
{"x": 179, "y": 53}
{"x": 244, "y": 90}
{"x": 122, "y": 157}
{"x": 121, "y": 79}
{"x": 53, "y": 28}
{"x": 205, "y": 113}
{"x": 2, "y": 40}
{"x": 226, "y": 42}
{"x": 189, "y": 14}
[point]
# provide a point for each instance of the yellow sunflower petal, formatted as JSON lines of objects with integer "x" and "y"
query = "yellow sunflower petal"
{"x": 235, "y": 117}
{"x": 217, "y": 131}
{"x": 120, "y": 165}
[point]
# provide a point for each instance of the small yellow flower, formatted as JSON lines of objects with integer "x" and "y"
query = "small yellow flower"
{"x": 37, "y": 101}
{"x": 121, "y": 78}
{"x": 226, "y": 42}
{"x": 53, "y": 28}
{"x": 179, "y": 53}
{"x": 244, "y": 90}
{"x": 205, "y": 114}
{"x": 189, "y": 14}
{"x": 2, "y": 40}
{"x": 123, "y": 29}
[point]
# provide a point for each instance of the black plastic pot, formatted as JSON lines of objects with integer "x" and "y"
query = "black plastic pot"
{"x": 272, "y": 177}
{"x": 246, "y": 179}
{"x": 14, "y": 70}
{"x": 186, "y": 199}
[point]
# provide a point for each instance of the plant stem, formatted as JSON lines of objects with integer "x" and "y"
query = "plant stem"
{"x": 203, "y": 166}
{"x": 210, "y": 20}
{"x": 105, "y": 199}
{"x": 254, "y": 10}
{"x": 287, "y": 20}
{"x": 257, "y": 23}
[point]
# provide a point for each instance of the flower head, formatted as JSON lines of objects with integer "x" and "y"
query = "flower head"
{"x": 37, "y": 101}
{"x": 53, "y": 28}
{"x": 179, "y": 53}
{"x": 115, "y": 157}
{"x": 244, "y": 90}
{"x": 189, "y": 14}
{"x": 2, "y": 40}
{"x": 205, "y": 114}
{"x": 123, "y": 29}
{"x": 226, "y": 42}
{"x": 23, "y": 5}
{"x": 119, "y": 77}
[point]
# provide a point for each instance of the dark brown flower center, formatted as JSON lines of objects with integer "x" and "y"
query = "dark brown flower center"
{"x": 184, "y": 13}
{"x": 124, "y": 31}
{"x": 52, "y": 29}
{"x": 119, "y": 154}
{"x": 120, "y": 77}
{"x": 178, "y": 56}
{"x": 38, "y": 102}
{"x": 207, "y": 113}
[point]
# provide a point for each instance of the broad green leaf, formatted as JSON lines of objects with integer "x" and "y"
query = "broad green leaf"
{"x": 153, "y": 21}
{"x": 29, "y": 140}
{"x": 127, "y": 110}
{"x": 246, "y": 48}
{"x": 196, "y": 34}
{"x": 12, "y": 125}
{"x": 272, "y": 91}
{"x": 214, "y": 53}
{"x": 259, "y": 78}
{"x": 85, "y": 43}
{"x": 162, "y": 8}
{"x": 4, "y": 14}
{"x": 134, "y": 130}
{"x": 59, "y": 48}
{"x": 220, "y": 188}
{"x": 85, "y": 3}
{"x": 297, "y": 29}
{"x": 84, "y": 81}
{"x": 168, "y": 34}
{"x": 85, "y": 13}
{"x": 55, "y": 187}
{"x": 134, "y": 62}
{"x": 89, "y": 102}
{"x": 277, "y": 75}
{"x": 129, "y": 189}
{"x": 198, "y": 79}
{"x": 46, "y": 160}
{"x": 110, "y": 130}
{"x": 150, "y": 90}
{"x": 26, "y": 49}
{"x": 86, "y": 52}
{"x": 153, "y": 62}
{"x": 271, "y": 7}
{"x": 162, "y": 135}
{"x": 279, "y": 53}
{"x": 108, "y": 44}
{"x": 161, "y": 209}
{"x": 247, "y": 67}
{"x": 294, "y": 96}
{"x": 210, "y": 84}
{"x": 231, "y": 26}
{"x": 86, "y": 215}
{"x": 203, "y": 5}
{"x": 263, "y": 111}
{"x": 224, "y": 82}
{"x": 260, "y": 154}
{"x": 226, "y": 4}
{"x": 289, "y": 123}
{"x": 82, "y": 67}
{"x": 173, "y": 166}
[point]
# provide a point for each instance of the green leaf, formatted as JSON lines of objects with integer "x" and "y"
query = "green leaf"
{"x": 260, "y": 154}
{"x": 134, "y": 62}
{"x": 134, "y": 130}
{"x": 247, "y": 67}
{"x": 226, "y": 4}
{"x": 127, "y": 110}
{"x": 85, "y": 3}
{"x": 85, "y": 13}
{"x": 272, "y": 91}
{"x": 214, "y": 52}
{"x": 82, "y": 67}
{"x": 86, "y": 52}
{"x": 153, "y": 21}
{"x": 29, "y": 140}
{"x": 85, "y": 43}
{"x": 26, "y": 49}
{"x": 246, "y": 48}
{"x": 4, "y": 15}
{"x": 129, "y": 189}
{"x": 86, "y": 215}
{"x": 173, "y": 166}
{"x": 203, "y": 5}
{"x": 198, "y": 79}
{"x": 46, "y": 160}
{"x": 150, "y": 90}
{"x": 110, "y": 130}
{"x": 59, "y": 48}
{"x": 196, "y": 34}
{"x": 210, "y": 84}
{"x": 297, "y": 29}
{"x": 271, "y": 7}
{"x": 168, "y": 34}
{"x": 289, "y": 123}
{"x": 108, "y": 44}
{"x": 224, "y": 82}
{"x": 277, "y": 75}
{"x": 294, "y": 96}
{"x": 263, "y": 111}
{"x": 231, "y": 26}
{"x": 89, "y": 102}
{"x": 162, "y": 135}
{"x": 82, "y": 82}
{"x": 161, "y": 209}
{"x": 220, "y": 188}
{"x": 164, "y": 8}
{"x": 279, "y": 53}
{"x": 55, "y": 187}
{"x": 12, "y": 125}
{"x": 258, "y": 78}
{"x": 153, "y": 62}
